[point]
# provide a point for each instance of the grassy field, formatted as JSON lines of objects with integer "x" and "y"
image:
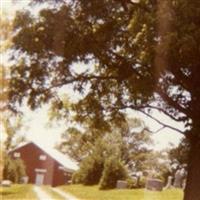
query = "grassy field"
{"x": 53, "y": 194}
{"x": 93, "y": 193}
{"x": 17, "y": 192}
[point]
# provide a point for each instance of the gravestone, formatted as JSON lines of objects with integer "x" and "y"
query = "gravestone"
{"x": 179, "y": 178}
{"x": 24, "y": 179}
{"x": 184, "y": 184}
{"x": 121, "y": 184}
{"x": 154, "y": 184}
{"x": 6, "y": 183}
{"x": 169, "y": 182}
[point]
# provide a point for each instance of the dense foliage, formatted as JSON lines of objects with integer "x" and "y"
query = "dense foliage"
{"x": 102, "y": 165}
{"x": 14, "y": 170}
{"x": 131, "y": 137}
{"x": 180, "y": 154}
{"x": 93, "y": 152}
{"x": 114, "y": 170}
{"x": 92, "y": 166}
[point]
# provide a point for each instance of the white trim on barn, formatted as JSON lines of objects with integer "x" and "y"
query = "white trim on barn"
{"x": 42, "y": 157}
{"x": 17, "y": 155}
{"x": 40, "y": 170}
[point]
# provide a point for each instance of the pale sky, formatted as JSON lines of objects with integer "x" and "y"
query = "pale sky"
{"x": 36, "y": 126}
{"x": 10, "y": 8}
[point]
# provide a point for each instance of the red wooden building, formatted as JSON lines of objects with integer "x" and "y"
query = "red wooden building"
{"x": 45, "y": 165}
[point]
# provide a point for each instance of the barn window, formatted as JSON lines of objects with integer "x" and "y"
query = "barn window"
{"x": 16, "y": 155}
{"x": 43, "y": 157}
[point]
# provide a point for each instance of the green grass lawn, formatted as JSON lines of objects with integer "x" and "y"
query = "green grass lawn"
{"x": 53, "y": 194}
{"x": 93, "y": 193}
{"x": 17, "y": 192}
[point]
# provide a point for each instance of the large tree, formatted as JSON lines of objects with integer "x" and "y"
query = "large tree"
{"x": 132, "y": 140}
{"x": 141, "y": 55}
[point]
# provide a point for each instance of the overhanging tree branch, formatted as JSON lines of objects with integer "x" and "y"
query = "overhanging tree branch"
{"x": 161, "y": 123}
{"x": 140, "y": 109}
{"x": 81, "y": 78}
{"x": 165, "y": 112}
{"x": 170, "y": 101}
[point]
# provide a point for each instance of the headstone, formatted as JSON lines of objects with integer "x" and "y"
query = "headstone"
{"x": 179, "y": 178}
{"x": 121, "y": 184}
{"x": 24, "y": 179}
{"x": 134, "y": 178}
{"x": 154, "y": 184}
{"x": 6, "y": 183}
{"x": 169, "y": 182}
{"x": 69, "y": 182}
{"x": 184, "y": 184}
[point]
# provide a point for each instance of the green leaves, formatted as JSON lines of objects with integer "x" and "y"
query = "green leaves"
{"x": 13, "y": 170}
{"x": 114, "y": 170}
{"x": 138, "y": 50}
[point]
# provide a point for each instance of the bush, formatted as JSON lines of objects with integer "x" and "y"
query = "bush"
{"x": 90, "y": 171}
{"x": 142, "y": 182}
{"x": 77, "y": 178}
{"x": 132, "y": 183}
{"x": 20, "y": 169}
{"x": 9, "y": 170}
{"x": 13, "y": 170}
{"x": 114, "y": 170}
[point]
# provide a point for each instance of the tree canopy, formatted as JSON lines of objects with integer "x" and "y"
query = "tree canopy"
{"x": 144, "y": 55}
{"x": 130, "y": 141}
{"x": 126, "y": 48}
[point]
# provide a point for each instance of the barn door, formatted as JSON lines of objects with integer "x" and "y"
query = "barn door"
{"x": 39, "y": 179}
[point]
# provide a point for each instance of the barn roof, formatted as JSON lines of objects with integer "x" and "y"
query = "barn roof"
{"x": 61, "y": 158}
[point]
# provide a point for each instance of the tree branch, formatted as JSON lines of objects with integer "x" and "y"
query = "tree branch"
{"x": 165, "y": 112}
{"x": 81, "y": 78}
{"x": 163, "y": 127}
{"x": 140, "y": 109}
{"x": 161, "y": 123}
{"x": 169, "y": 100}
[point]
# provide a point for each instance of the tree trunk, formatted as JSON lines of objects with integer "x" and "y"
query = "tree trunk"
{"x": 192, "y": 190}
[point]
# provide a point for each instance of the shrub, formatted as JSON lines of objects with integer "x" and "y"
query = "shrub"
{"x": 20, "y": 169}
{"x": 77, "y": 178}
{"x": 142, "y": 182}
{"x": 132, "y": 183}
{"x": 9, "y": 170}
{"x": 13, "y": 170}
{"x": 90, "y": 171}
{"x": 113, "y": 170}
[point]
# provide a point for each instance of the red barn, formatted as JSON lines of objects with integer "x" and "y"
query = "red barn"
{"x": 45, "y": 165}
